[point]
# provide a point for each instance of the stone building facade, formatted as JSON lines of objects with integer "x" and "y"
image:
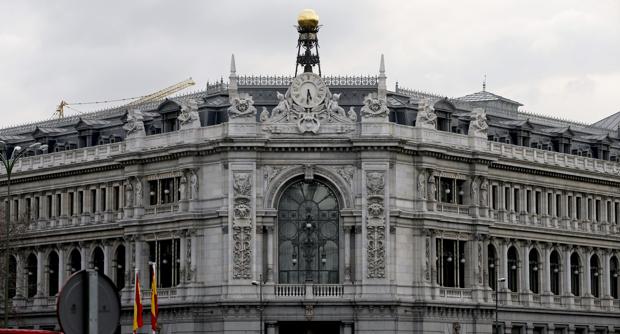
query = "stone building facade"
{"x": 369, "y": 211}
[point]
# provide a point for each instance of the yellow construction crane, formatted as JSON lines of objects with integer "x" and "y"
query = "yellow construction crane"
{"x": 60, "y": 110}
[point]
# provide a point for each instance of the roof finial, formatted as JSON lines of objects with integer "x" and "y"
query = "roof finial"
{"x": 382, "y": 66}
{"x": 484, "y": 83}
{"x": 233, "y": 68}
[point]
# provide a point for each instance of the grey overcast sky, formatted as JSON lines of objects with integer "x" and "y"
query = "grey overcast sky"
{"x": 557, "y": 57}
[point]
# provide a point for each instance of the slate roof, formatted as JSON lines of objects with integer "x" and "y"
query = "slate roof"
{"x": 610, "y": 122}
{"x": 483, "y": 96}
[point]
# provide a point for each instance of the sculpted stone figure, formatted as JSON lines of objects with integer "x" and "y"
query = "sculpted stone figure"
{"x": 426, "y": 117}
{"x": 183, "y": 188}
{"x": 283, "y": 106}
{"x": 432, "y": 187}
{"x": 242, "y": 107}
{"x": 351, "y": 114}
{"x": 334, "y": 107}
{"x": 474, "y": 190}
{"x": 422, "y": 185}
{"x": 264, "y": 115}
{"x": 478, "y": 125}
{"x": 138, "y": 192}
{"x": 128, "y": 194}
{"x": 484, "y": 193}
{"x": 193, "y": 181}
{"x": 135, "y": 124}
{"x": 189, "y": 117}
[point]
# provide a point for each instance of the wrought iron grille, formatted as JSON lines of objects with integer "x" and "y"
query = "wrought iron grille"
{"x": 308, "y": 234}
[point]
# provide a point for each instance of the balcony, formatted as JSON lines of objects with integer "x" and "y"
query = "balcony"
{"x": 309, "y": 290}
{"x": 455, "y": 294}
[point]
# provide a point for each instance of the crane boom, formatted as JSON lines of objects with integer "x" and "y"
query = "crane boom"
{"x": 164, "y": 92}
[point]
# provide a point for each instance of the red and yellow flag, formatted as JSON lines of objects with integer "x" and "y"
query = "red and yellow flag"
{"x": 154, "y": 306}
{"x": 137, "y": 306}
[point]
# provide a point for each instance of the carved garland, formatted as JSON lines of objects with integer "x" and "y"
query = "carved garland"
{"x": 242, "y": 226}
{"x": 375, "y": 223}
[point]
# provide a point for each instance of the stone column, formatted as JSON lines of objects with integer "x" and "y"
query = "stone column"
{"x": 62, "y": 266}
{"x": 525, "y": 269}
{"x": 183, "y": 257}
{"x": 347, "y": 253}
{"x": 566, "y": 282}
{"x": 138, "y": 259}
{"x": 587, "y": 291}
{"x": 40, "y": 273}
{"x": 107, "y": 249}
{"x": 270, "y": 256}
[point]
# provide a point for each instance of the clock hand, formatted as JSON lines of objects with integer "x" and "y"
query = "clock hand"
{"x": 308, "y": 96}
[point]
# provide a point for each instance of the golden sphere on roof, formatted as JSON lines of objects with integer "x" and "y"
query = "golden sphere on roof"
{"x": 308, "y": 19}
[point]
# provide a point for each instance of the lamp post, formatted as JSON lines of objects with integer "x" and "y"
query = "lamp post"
{"x": 259, "y": 283}
{"x": 499, "y": 280}
{"x": 8, "y": 163}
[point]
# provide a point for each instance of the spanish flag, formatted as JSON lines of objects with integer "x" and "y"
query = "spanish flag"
{"x": 154, "y": 306}
{"x": 137, "y": 306}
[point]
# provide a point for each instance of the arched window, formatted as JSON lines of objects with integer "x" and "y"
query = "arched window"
{"x": 75, "y": 261}
{"x": 98, "y": 260}
{"x": 575, "y": 271}
{"x": 613, "y": 277}
{"x": 119, "y": 267}
{"x": 12, "y": 276}
{"x": 534, "y": 273}
{"x": 52, "y": 273}
{"x": 308, "y": 234}
{"x": 513, "y": 269}
{"x": 31, "y": 272}
{"x": 491, "y": 264}
{"x": 595, "y": 271}
{"x": 554, "y": 272}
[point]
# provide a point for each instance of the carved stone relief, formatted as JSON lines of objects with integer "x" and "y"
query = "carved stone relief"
{"x": 346, "y": 173}
{"x": 242, "y": 225}
{"x": 478, "y": 125}
{"x": 242, "y": 107}
{"x": 374, "y": 107}
{"x": 422, "y": 184}
{"x": 135, "y": 124}
{"x": 375, "y": 223}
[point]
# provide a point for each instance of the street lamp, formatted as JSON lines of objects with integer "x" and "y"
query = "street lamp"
{"x": 499, "y": 280}
{"x": 259, "y": 283}
{"x": 8, "y": 163}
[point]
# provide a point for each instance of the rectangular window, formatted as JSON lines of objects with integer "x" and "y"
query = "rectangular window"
{"x": 589, "y": 209}
{"x": 49, "y": 206}
{"x": 494, "y": 191}
{"x": 166, "y": 254}
{"x": 507, "y": 199}
{"x": 578, "y": 208}
{"x": 71, "y": 204}
{"x": 460, "y": 192}
{"x": 36, "y": 207}
{"x": 528, "y": 201}
{"x": 537, "y": 198}
{"x": 549, "y": 202}
{"x": 446, "y": 188}
{"x": 93, "y": 200}
{"x": 608, "y": 212}
{"x": 58, "y": 204}
{"x": 616, "y": 211}
{"x": 16, "y": 211}
{"x": 117, "y": 198}
{"x": 80, "y": 206}
{"x": 104, "y": 199}
{"x": 450, "y": 263}
{"x": 558, "y": 205}
{"x": 164, "y": 191}
{"x": 597, "y": 210}
{"x": 515, "y": 199}
{"x": 570, "y": 206}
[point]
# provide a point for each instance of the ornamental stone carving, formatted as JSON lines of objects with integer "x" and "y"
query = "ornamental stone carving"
{"x": 346, "y": 173}
{"x": 478, "y": 125}
{"x": 375, "y": 223}
{"x": 426, "y": 117}
{"x": 193, "y": 182}
{"x": 242, "y": 225}
{"x": 432, "y": 187}
{"x": 375, "y": 108}
{"x": 135, "y": 124}
{"x": 326, "y": 117}
{"x": 484, "y": 193}
{"x": 422, "y": 184}
{"x": 189, "y": 117}
{"x": 242, "y": 107}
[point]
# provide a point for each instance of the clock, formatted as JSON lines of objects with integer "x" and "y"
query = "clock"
{"x": 308, "y": 90}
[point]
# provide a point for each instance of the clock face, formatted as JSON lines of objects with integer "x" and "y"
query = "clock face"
{"x": 308, "y": 90}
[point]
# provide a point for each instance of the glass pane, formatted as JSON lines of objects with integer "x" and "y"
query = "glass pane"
{"x": 308, "y": 234}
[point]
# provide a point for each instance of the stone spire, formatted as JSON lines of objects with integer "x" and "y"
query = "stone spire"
{"x": 382, "y": 85}
{"x": 232, "y": 79}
